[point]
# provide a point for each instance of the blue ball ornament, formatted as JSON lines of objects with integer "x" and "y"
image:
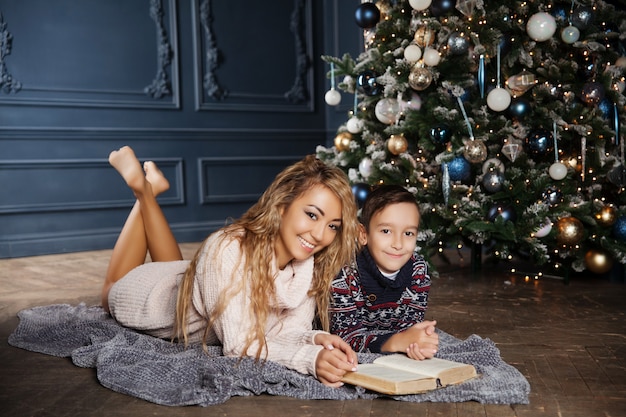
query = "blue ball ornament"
{"x": 367, "y": 15}
{"x": 619, "y": 228}
{"x": 519, "y": 108}
{"x": 606, "y": 108}
{"x": 440, "y": 134}
{"x": 360, "y": 191}
{"x": 539, "y": 142}
{"x": 459, "y": 169}
{"x": 366, "y": 81}
{"x": 442, "y": 7}
{"x": 506, "y": 211}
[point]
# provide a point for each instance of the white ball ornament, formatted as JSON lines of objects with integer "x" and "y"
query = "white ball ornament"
{"x": 544, "y": 230}
{"x": 412, "y": 53}
{"x": 414, "y": 103}
{"x": 557, "y": 171}
{"x": 387, "y": 110}
{"x": 420, "y": 5}
{"x": 493, "y": 164}
{"x": 431, "y": 57}
{"x": 354, "y": 125}
{"x": 570, "y": 34}
{"x": 365, "y": 167}
{"x": 498, "y": 99}
{"x": 332, "y": 97}
{"x": 541, "y": 26}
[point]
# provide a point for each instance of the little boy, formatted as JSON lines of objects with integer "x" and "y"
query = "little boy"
{"x": 379, "y": 303}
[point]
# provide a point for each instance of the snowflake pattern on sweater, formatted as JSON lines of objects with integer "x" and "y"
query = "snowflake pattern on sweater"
{"x": 367, "y": 308}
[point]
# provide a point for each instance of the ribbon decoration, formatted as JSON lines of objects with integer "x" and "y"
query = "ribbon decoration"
{"x": 616, "y": 123}
{"x": 556, "y": 146}
{"x": 467, "y": 123}
{"x": 481, "y": 75}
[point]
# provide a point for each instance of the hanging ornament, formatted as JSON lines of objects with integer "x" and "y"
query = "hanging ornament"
{"x": 493, "y": 164}
{"x": 541, "y": 26}
{"x": 475, "y": 151}
{"x": 354, "y": 125}
{"x": 366, "y": 81}
{"x": 552, "y": 196}
{"x": 440, "y": 134}
{"x": 544, "y": 229}
{"x": 619, "y": 228}
{"x": 420, "y": 78}
{"x": 511, "y": 149}
{"x": 342, "y": 141}
{"x": 539, "y": 142}
{"x": 598, "y": 261}
{"x": 520, "y": 83}
{"x": 387, "y": 110}
{"x": 569, "y": 231}
{"x": 459, "y": 169}
{"x": 570, "y": 34}
{"x": 582, "y": 17}
{"x": 505, "y": 211}
{"x": 606, "y": 216}
{"x": 519, "y": 109}
{"x": 442, "y": 7}
{"x": 365, "y": 167}
{"x": 420, "y": 5}
{"x": 498, "y": 99}
{"x": 466, "y": 7}
{"x": 480, "y": 75}
{"x": 412, "y": 53}
{"x": 360, "y": 191}
{"x": 557, "y": 170}
{"x": 458, "y": 44}
{"x": 397, "y": 144}
{"x": 424, "y": 36}
{"x": 332, "y": 96}
{"x": 445, "y": 182}
{"x": 414, "y": 103}
{"x": 367, "y": 15}
{"x": 431, "y": 57}
{"x": 493, "y": 181}
{"x": 592, "y": 93}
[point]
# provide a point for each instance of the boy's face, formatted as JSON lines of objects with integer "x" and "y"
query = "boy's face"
{"x": 391, "y": 237}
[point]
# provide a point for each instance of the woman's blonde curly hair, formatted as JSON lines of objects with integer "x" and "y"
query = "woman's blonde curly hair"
{"x": 257, "y": 231}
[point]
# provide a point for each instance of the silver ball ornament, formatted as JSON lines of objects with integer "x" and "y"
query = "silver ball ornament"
{"x": 420, "y": 78}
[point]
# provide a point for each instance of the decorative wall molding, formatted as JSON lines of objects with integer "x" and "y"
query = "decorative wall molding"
{"x": 165, "y": 84}
{"x": 46, "y": 192}
{"x": 212, "y": 94}
{"x": 240, "y": 188}
{"x": 161, "y": 84}
{"x": 7, "y": 83}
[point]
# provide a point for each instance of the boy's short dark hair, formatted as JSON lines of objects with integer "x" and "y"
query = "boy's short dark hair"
{"x": 383, "y": 196}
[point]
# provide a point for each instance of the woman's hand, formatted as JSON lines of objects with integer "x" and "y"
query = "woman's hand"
{"x": 334, "y": 360}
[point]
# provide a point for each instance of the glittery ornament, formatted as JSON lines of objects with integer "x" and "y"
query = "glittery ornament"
{"x": 552, "y": 196}
{"x": 475, "y": 151}
{"x": 424, "y": 36}
{"x": 420, "y": 78}
{"x": 387, "y": 110}
{"x": 539, "y": 142}
{"x": 493, "y": 181}
{"x": 397, "y": 144}
{"x": 355, "y": 125}
{"x": 569, "y": 231}
{"x": 619, "y": 228}
{"x": 459, "y": 169}
{"x": 592, "y": 93}
{"x": 342, "y": 141}
{"x": 598, "y": 261}
{"x": 582, "y": 17}
{"x": 458, "y": 44}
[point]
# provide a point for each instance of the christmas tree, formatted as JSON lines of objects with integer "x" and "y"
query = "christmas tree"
{"x": 503, "y": 118}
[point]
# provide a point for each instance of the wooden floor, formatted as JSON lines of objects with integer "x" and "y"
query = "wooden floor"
{"x": 568, "y": 340}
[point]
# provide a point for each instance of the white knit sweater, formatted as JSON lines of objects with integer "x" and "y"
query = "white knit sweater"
{"x": 145, "y": 299}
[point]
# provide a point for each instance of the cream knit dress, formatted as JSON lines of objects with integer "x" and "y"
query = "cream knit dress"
{"x": 145, "y": 300}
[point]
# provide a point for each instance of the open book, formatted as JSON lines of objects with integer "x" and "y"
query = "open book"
{"x": 398, "y": 374}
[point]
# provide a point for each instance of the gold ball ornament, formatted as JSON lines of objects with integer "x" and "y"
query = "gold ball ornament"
{"x": 569, "y": 231}
{"x": 598, "y": 261}
{"x": 420, "y": 78}
{"x": 342, "y": 141}
{"x": 397, "y": 144}
{"x": 475, "y": 151}
{"x": 606, "y": 216}
{"x": 424, "y": 36}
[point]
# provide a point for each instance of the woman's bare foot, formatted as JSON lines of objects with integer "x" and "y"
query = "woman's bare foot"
{"x": 129, "y": 167}
{"x": 156, "y": 178}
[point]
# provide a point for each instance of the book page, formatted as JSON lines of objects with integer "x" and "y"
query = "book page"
{"x": 389, "y": 373}
{"x": 429, "y": 367}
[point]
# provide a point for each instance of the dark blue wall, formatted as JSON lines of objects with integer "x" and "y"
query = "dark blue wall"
{"x": 222, "y": 94}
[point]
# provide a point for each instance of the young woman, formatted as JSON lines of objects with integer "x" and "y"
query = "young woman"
{"x": 379, "y": 301}
{"x": 255, "y": 285}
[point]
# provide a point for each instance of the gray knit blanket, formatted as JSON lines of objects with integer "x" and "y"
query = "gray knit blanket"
{"x": 166, "y": 373}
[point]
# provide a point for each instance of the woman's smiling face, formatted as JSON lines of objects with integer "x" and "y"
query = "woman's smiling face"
{"x": 308, "y": 225}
